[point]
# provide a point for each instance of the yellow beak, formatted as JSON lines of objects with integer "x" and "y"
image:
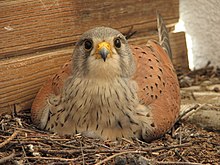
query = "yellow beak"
{"x": 104, "y": 50}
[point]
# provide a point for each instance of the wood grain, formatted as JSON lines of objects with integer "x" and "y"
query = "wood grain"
{"x": 179, "y": 49}
{"x": 29, "y": 26}
{"x": 22, "y": 76}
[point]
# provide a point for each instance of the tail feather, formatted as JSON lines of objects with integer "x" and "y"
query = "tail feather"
{"x": 163, "y": 35}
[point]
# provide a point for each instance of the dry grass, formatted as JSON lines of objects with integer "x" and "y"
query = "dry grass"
{"x": 21, "y": 143}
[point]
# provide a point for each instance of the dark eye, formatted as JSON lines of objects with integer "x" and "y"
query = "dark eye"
{"x": 88, "y": 45}
{"x": 117, "y": 43}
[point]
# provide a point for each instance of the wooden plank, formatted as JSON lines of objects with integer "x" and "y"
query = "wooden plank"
{"x": 179, "y": 49}
{"x": 22, "y": 76}
{"x": 30, "y": 26}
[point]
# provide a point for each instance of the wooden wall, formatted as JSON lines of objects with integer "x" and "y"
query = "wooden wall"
{"x": 38, "y": 36}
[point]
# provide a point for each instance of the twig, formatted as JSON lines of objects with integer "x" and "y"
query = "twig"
{"x": 128, "y": 141}
{"x": 9, "y": 139}
{"x": 102, "y": 145}
{"x": 50, "y": 158}
{"x": 32, "y": 142}
{"x": 180, "y": 156}
{"x": 76, "y": 151}
{"x": 66, "y": 145}
{"x": 24, "y": 152}
{"x": 7, "y": 158}
{"x": 40, "y": 139}
{"x": 167, "y": 147}
{"x": 143, "y": 151}
{"x": 187, "y": 111}
{"x": 32, "y": 130}
{"x": 167, "y": 162}
{"x": 118, "y": 154}
{"x": 193, "y": 96}
{"x": 82, "y": 153}
{"x": 177, "y": 163}
{"x": 180, "y": 135}
{"x": 47, "y": 151}
{"x": 140, "y": 141}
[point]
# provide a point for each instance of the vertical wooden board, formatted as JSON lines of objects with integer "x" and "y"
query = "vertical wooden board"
{"x": 179, "y": 49}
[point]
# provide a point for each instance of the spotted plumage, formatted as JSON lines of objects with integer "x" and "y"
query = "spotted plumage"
{"x": 111, "y": 90}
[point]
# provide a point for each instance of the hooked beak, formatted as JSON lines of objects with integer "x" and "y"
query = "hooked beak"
{"x": 104, "y": 50}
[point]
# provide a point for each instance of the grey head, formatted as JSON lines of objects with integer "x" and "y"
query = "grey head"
{"x": 103, "y": 52}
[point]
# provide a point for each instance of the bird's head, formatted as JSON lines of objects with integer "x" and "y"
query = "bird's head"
{"x": 103, "y": 52}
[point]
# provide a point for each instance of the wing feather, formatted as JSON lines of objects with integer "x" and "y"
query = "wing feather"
{"x": 158, "y": 84}
{"x": 51, "y": 89}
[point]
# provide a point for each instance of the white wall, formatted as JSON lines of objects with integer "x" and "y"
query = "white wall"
{"x": 201, "y": 20}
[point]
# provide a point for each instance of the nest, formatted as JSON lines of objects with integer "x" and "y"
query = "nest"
{"x": 22, "y": 143}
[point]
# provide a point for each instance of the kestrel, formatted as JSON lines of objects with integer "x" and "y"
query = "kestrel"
{"x": 111, "y": 90}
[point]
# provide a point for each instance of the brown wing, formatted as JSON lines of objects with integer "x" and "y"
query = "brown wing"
{"x": 158, "y": 85}
{"x": 53, "y": 87}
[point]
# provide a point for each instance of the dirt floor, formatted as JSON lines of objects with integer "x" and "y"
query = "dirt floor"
{"x": 195, "y": 138}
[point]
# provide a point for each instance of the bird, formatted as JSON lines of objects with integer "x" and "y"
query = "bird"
{"x": 111, "y": 90}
